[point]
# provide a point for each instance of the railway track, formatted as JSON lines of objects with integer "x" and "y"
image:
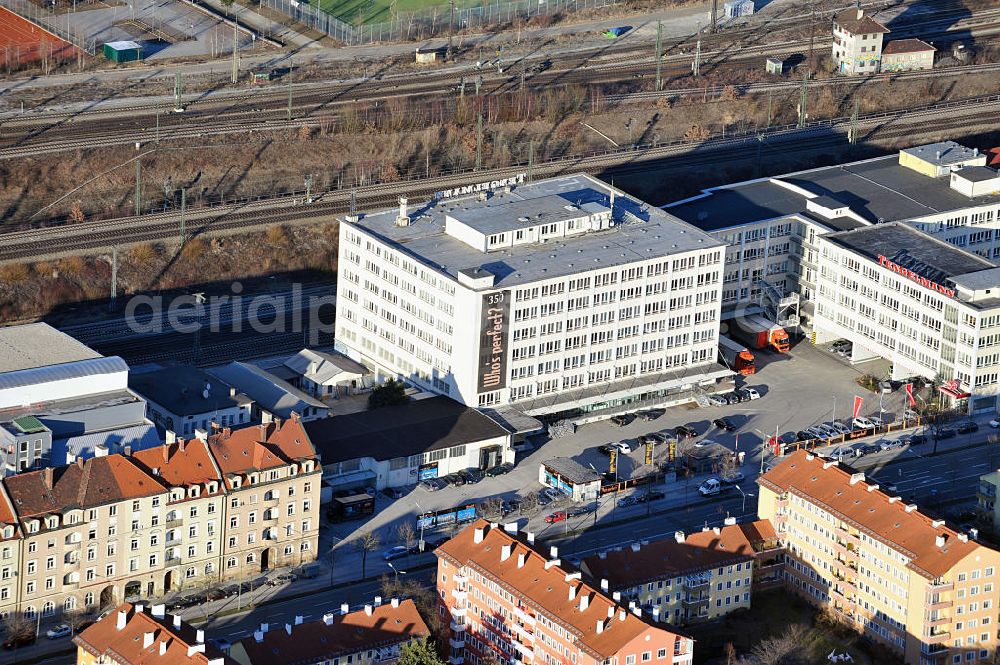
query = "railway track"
{"x": 235, "y": 114}
{"x": 99, "y": 236}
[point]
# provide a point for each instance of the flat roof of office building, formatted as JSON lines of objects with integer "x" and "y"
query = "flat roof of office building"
{"x": 643, "y": 232}
{"x": 878, "y": 190}
{"x": 925, "y": 255}
{"x": 39, "y": 345}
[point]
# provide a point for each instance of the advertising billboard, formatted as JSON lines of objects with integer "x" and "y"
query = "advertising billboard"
{"x": 494, "y": 328}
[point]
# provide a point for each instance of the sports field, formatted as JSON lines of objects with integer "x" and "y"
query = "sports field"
{"x": 22, "y": 40}
{"x": 356, "y": 12}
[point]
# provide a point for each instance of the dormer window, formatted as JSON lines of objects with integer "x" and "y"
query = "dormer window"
{"x": 33, "y": 526}
{"x": 52, "y": 522}
{"x": 8, "y": 531}
{"x": 235, "y": 481}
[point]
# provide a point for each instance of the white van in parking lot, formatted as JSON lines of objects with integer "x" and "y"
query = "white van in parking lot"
{"x": 710, "y": 487}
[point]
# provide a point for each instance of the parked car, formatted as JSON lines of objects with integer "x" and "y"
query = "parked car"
{"x": 817, "y": 432}
{"x": 623, "y": 419}
{"x": 283, "y": 578}
{"x": 995, "y": 423}
{"x": 752, "y": 392}
{"x": 841, "y": 344}
{"x": 651, "y": 414}
{"x": 652, "y": 495}
{"x": 558, "y": 516}
{"x": 622, "y": 447}
{"x": 876, "y": 421}
{"x": 841, "y": 452}
{"x": 627, "y": 501}
{"x": 662, "y": 437}
{"x": 968, "y": 427}
{"x": 830, "y": 432}
{"x": 717, "y": 400}
{"x": 605, "y": 448}
{"x": 710, "y": 487}
{"x": 553, "y": 494}
{"x": 945, "y": 432}
{"x": 685, "y": 430}
{"x": 394, "y": 492}
{"x": 724, "y": 424}
{"x": 583, "y": 510}
{"x": 432, "y": 484}
{"x": 866, "y": 449}
{"x": 470, "y": 476}
{"x": 839, "y": 426}
{"x": 499, "y": 470}
{"x": 62, "y": 630}
{"x": 910, "y": 414}
{"x": 862, "y": 423}
{"x": 19, "y": 641}
{"x": 804, "y": 436}
{"x": 215, "y": 594}
{"x": 913, "y": 439}
{"x": 892, "y": 444}
{"x": 397, "y": 552}
{"x": 734, "y": 398}
{"x": 733, "y": 478}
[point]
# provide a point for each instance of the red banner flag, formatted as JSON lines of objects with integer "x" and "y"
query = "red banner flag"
{"x": 858, "y": 401}
{"x": 775, "y": 443}
{"x": 909, "y": 394}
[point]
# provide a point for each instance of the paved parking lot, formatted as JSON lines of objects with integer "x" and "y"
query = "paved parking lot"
{"x": 798, "y": 390}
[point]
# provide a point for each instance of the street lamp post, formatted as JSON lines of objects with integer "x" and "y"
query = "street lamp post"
{"x": 743, "y": 512}
{"x": 395, "y": 570}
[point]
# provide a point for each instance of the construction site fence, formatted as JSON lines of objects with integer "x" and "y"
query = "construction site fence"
{"x": 57, "y": 24}
{"x": 429, "y": 22}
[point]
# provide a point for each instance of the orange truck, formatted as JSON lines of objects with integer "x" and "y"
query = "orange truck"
{"x": 736, "y": 356}
{"x": 759, "y": 333}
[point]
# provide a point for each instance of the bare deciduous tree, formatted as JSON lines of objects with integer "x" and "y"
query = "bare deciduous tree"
{"x": 367, "y": 541}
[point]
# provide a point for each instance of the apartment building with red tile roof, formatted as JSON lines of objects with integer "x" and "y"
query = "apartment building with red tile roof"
{"x": 91, "y": 533}
{"x": 905, "y": 579}
{"x": 143, "y": 635}
{"x": 371, "y": 635}
{"x": 688, "y": 577}
{"x": 510, "y": 602}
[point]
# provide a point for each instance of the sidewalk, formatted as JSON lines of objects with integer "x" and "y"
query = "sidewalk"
{"x": 263, "y": 25}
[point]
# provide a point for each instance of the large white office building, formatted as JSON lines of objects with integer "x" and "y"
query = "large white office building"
{"x": 800, "y": 248}
{"x": 563, "y": 296}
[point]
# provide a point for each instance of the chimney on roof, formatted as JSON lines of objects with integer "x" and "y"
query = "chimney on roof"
{"x": 195, "y": 648}
{"x": 893, "y": 499}
{"x": 511, "y": 528}
{"x": 177, "y": 621}
{"x": 584, "y": 602}
{"x": 478, "y": 534}
{"x": 572, "y": 592}
{"x": 79, "y": 462}
{"x": 395, "y": 602}
{"x": 679, "y": 536}
{"x": 170, "y": 436}
{"x": 139, "y": 608}
{"x": 936, "y": 523}
{"x": 344, "y": 609}
{"x": 656, "y": 614}
{"x": 258, "y": 636}
{"x": 402, "y": 219}
{"x": 553, "y": 552}
{"x": 828, "y": 463}
{"x": 636, "y": 547}
{"x": 860, "y": 13}
{"x": 264, "y": 627}
{"x": 964, "y": 538}
{"x": 611, "y": 612}
{"x": 199, "y": 636}
{"x": 574, "y": 576}
{"x": 288, "y": 628}
{"x": 810, "y": 457}
{"x": 616, "y": 596}
{"x": 48, "y": 476}
{"x": 531, "y": 537}
{"x": 368, "y": 610}
{"x": 159, "y": 611}
{"x": 521, "y": 558}
{"x": 910, "y": 507}
{"x": 873, "y": 487}
{"x": 505, "y": 551}
{"x": 604, "y": 584}
{"x": 552, "y": 563}
{"x": 100, "y": 450}
{"x": 127, "y": 450}
{"x": 147, "y": 639}
{"x": 716, "y": 530}
{"x": 121, "y": 621}
{"x": 165, "y": 449}
{"x": 163, "y": 646}
{"x": 216, "y": 661}
{"x": 180, "y": 444}
{"x": 328, "y": 619}
{"x": 973, "y": 532}
{"x": 940, "y": 540}
{"x": 937, "y": 154}
{"x": 857, "y": 478}
{"x": 378, "y": 601}
{"x": 600, "y": 626}
{"x": 637, "y": 611}
{"x": 621, "y": 615}
{"x": 603, "y": 554}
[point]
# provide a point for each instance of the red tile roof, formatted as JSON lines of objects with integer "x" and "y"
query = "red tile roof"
{"x": 180, "y": 464}
{"x": 906, "y": 46}
{"x": 665, "y": 558}
{"x": 91, "y": 482}
{"x": 334, "y": 636}
{"x": 828, "y": 484}
{"x": 856, "y": 22}
{"x": 169, "y": 644}
{"x": 260, "y": 447}
{"x": 547, "y": 588}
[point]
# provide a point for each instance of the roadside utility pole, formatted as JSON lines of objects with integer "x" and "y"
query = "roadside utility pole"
{"x": 696, "y": 65}
{"x": 236, "y": 45}
{"x": 479, "y": 143}
{"x": 659, "y": 55}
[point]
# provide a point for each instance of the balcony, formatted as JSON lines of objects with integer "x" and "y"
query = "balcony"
{"x": 933, "y": 603}
{"x": 177, "y": 521}
{"x": 459, "y": 594}
{"x": 522, "y": 631}
{"x": 937, "y": 621}
{"x": 695, "y": 601}
{"x": 457, "y": 642}
{"x": 932, "y": 649}
{"x": 940, "y": 587}
{"x": 457, "y": 626}
{"x": 523, "y": 616}
{"x": 699, "y": 582}
{"x": 456, "y": 660}
{"x": 173, "y": 542}
{"x": 937, "y": 638}
{"x": 172, "y": 561}
{"x": 525, "y": 650}
{"x": 459, "y": 611}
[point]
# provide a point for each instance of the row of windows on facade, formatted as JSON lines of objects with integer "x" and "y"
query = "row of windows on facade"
{"x": 398, "y": 261}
